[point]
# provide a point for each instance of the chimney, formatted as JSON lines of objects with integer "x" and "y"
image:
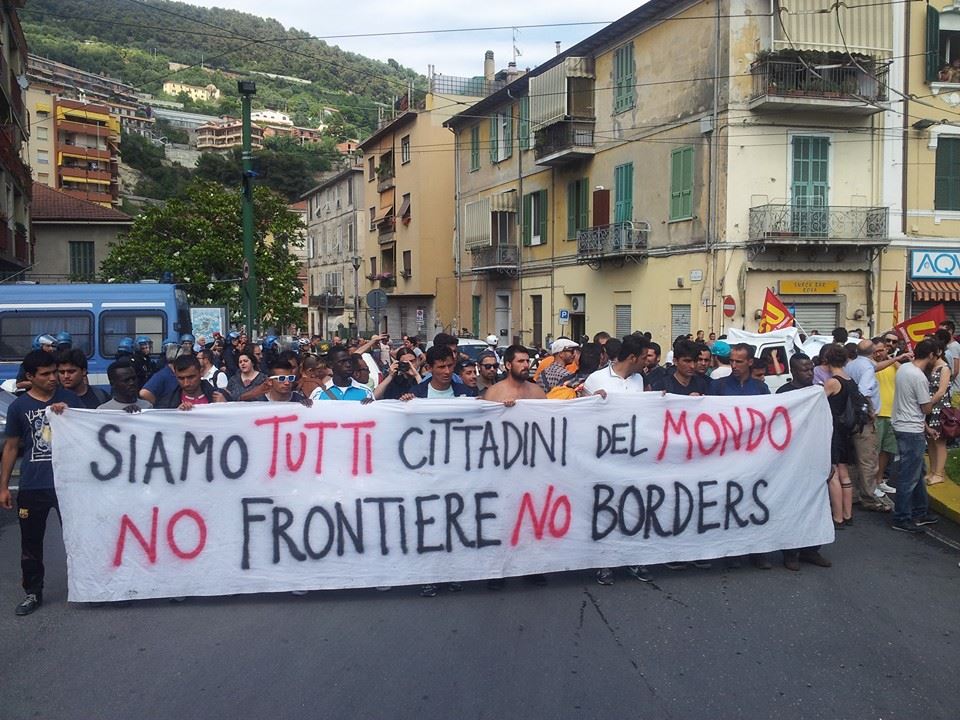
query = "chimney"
{"x": 556, "y": 44}
{"x": 489, "y": 69}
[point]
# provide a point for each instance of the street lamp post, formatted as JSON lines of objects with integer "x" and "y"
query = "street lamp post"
{"x": 355, "y": 260}
{"x": 247, "y": 88}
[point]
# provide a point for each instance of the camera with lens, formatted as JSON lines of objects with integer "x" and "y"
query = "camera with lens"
{"x": 403, "y": 367}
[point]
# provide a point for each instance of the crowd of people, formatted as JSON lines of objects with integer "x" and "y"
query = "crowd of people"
{"x": 887, "y": 404}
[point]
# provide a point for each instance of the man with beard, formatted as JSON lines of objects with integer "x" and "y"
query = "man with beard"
{"x": 516, "y": 385}
{"x": 488, "y": 365}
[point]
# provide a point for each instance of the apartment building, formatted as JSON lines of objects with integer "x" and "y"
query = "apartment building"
{"x": 225, "y": 134}
{"x": 687, "y": 153}
{"x": 335, "y": 249}
{"x": 207, "y": 93}
{"x": 75, "y": 146}
{"x": 16, "y": 248}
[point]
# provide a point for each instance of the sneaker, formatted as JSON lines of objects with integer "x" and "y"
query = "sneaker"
{"x": 454, "y": 587}
{"x": 384, "y": 588}
{"x": 926, "y": 520}
{"x": 815, "y": 558}
{"x": 30, "y": 603}
{"x": 639, "y": 572}
{"x": 178, "y": 599}
{"x": 428, "y": 591}
{"x": 299, "y": 593}
{"x": 760, "y": 561}
{"x": 878, "y": 493}
{"x": 675, "y": 566}
{"x": 906, "y": 526}
{"x": 605, "y": 576}
{"x": 702, "y": 564}
{"x": 887, "y": 489}
{"x": 791, "y": 561}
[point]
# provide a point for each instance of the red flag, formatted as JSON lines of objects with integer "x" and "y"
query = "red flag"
{"x": 914, "y": 329}
{"x": 775, "y": 314}
{"x": 896, "y": 304}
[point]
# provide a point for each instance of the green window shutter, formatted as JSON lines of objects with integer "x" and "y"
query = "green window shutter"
{"x": 623, "y": 78}
{"x": 527, "y": 217}
{"x": 544, "y": 213}
{"x": 933, "y": 44}
{"x": 583, "y": 210}
{"x": 686, "y": 180}
{"x": 508, "y": 133}
{"x": 494, "y": 142}
{"x": 623, "y": 198}
{"x": 475, "y": 147}
{"x": 676, "y": 164}
{"x": 524, "y": 129}
{"x": 572, "y": 209}
{"x": 947, "y": 179}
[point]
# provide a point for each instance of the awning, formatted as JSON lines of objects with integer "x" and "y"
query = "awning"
{"x": 504, "y": 202}
{"x": 382, "y": 215}
{"x": 92, "y": 181}
{"x": 405, "y": 207}
{"x": 937, "y": 290}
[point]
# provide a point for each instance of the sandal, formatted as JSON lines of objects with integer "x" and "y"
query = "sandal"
{"x": 934, "y": 480}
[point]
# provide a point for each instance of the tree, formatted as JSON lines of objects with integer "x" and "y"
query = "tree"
{"x": 198, "y": 237}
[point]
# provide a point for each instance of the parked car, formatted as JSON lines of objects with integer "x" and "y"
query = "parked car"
{"x": 776, "y": 347}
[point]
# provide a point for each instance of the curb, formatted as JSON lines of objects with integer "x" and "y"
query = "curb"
{"x": 945, "y": 499}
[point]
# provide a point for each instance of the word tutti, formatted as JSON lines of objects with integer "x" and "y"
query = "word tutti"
{"x": 360, "y": 449}
{"x": 439, "y": 524}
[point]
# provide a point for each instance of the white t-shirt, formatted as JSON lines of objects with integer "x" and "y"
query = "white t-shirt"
{"x": 221, "y": 376}
{"x": 433, "y": 393}
{"x": 721, "y": 371}
{"x": 606, "y": 379}
{"x": 950, "y": 354}
{"x": 912, "y": 391}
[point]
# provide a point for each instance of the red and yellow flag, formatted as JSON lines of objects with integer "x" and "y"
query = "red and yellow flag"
{"x": 896, "y": 304}
{"x": 775, "y": 314}
{"x": 914, "y": 329}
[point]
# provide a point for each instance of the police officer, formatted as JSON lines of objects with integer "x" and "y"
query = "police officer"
{"x": 143, "y": 364}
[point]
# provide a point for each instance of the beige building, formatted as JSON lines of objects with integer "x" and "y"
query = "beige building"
{"x": 226, "y": 134}
{"x": 336, "y": 221}
{"x": 682, "y": 157}
{"x": 208, "y": 93}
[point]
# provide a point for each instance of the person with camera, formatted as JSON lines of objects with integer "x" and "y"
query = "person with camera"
{"x": 401, "y": 378}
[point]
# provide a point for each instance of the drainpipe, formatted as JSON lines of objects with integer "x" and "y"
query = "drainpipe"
{"x": 523, "y": 220}
{"x": 456, "y": 219}
{"x": 713, "y": 195}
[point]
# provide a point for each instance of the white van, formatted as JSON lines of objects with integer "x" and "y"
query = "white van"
{"x": 776, "y": 347}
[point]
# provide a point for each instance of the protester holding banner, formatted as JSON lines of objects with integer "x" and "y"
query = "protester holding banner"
{"x": 343, "y": 386}
{"x": 839, "y": 389}
{"x": 192, "y": 388}
{"x": 122, "y": 375}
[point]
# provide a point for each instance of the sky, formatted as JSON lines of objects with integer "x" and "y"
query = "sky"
{"x": 451, "y": 53}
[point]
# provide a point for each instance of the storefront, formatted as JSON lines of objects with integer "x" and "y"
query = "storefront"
{"x": 934, "y": 277}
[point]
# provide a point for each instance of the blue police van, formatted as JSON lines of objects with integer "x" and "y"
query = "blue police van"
{"x": 97, "y": 316}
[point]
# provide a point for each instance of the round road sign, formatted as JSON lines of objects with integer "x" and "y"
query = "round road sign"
{"x": 729, "y": 306}
{"x": 376, "y": 299}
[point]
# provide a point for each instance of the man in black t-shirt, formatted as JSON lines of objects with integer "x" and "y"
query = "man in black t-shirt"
{"x": 27, "y": 427}
{"x": 72, "y": 372}
{"x": 684, "y": 380}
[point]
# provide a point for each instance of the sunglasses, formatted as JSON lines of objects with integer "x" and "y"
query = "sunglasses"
{"x": 284, "y": 378}
{"x": 487, "y": 367}
{"x": 891, "y": 340}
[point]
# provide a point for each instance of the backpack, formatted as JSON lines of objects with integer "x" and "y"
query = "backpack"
{"x": 856, "y": 411}
{"x": 567, "y": 390}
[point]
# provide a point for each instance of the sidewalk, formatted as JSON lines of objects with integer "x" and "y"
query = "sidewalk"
{"x": 945, "y": 499}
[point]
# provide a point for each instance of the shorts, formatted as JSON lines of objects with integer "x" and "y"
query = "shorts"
{"x": 886, "y": 440}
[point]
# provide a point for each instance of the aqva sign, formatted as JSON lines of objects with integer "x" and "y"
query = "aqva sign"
{"x": 935, "y": 265}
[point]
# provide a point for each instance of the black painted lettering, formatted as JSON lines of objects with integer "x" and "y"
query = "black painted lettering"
{"x": 247, "y": 519}
{"x": 422, "y": 523}
{"x": 190, "y": 444}
{"x": 702, "y": 526}
{"x": 734, "y": 496}
{"x": 632, "y": 493}
{"x": 308, "y": 523}
{"x": 653, "y": 504}
{"x": 116, "y": 454}
{"x": 403, "y": 450}
{"x": 158, "y": 459}
{"x": 602, "y": 506}
{"x": 229, "y": 472}
{"x": 280, "y": 531}
{"x": 479, "y": 516}
{"x": 355, "y": 531}
{"x": 454, "y": 506}
{"x": 762, "y": 519}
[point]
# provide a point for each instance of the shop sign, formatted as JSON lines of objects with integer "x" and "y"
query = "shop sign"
{"x": 809, "y": 287}
{"x": 935, "y": 265}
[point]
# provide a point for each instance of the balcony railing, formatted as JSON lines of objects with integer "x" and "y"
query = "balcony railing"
{"x": 327, "y": 299}
{"x": 500, "y": 258}
{"x": 789, "y": 83}
{"x": 564, "y": 142}
{"x": 827, "y": 223}
{"x": 623, "y": 239}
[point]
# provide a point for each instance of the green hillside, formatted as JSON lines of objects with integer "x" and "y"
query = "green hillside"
{"x": 135, "y": 40}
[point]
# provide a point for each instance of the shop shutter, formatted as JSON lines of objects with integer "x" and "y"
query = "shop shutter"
{"x": 679, "y": 321}
{"x": 623, "y": 321}
{"x": 822, "y": 317}
{"x": 921, "y": 306}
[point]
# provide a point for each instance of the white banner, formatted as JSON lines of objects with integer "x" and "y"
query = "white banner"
{"x": 254, "y": 497}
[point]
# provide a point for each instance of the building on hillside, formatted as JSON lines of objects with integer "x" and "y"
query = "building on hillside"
{"x": 409, "y": 193}
{"x": 685, "y": 153}
{"x": 306, "y": 136}
{"x": 225, "y": 134}
{"x": 75, "y": 84}
{"x": 923, "y": 268}
{"x": 15, "y": 242}
{"x": 303, "y": 302}
{"x": 72, "y": 236}
{"x": 336, "y": 238}
{"x": 75, "y": 146}
{"x": 207, "y": 93}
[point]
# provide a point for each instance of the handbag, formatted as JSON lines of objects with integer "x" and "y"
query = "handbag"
{"x": 950, "y": 423}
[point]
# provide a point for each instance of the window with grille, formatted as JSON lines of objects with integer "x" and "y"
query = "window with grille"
{"x": 82, "y": 265}
{"x": 623, "y": 320}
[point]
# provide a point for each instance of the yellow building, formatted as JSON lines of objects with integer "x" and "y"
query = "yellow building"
{"x": 684, "y": 154}
{"x": 208, "y": 93}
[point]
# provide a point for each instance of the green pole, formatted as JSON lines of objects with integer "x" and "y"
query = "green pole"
{"x": 247, "y": 89}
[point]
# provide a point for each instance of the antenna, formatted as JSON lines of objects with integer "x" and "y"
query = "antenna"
{"x": 516, "y": 50}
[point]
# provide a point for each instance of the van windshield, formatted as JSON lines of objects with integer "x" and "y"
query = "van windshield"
{"x": 18, "y": 329}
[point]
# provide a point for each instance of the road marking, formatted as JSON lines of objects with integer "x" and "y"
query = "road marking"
{"x": 945, "y": 540}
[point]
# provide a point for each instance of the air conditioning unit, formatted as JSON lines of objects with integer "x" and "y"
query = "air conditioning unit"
{"x": 578, "y": 303}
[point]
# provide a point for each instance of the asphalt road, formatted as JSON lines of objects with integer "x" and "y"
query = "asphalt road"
{"x": 876, "y": 636}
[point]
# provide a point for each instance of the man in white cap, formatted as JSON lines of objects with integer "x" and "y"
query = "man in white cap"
{"x": 564, "y": 352}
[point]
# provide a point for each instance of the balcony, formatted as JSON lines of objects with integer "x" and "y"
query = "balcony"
{"x": 828, "y": 224}
{"x": 819, "y": 82}
{"x": 10, "y": 159}
{"x": 69, "y": 173}
{"x": 623, "y": 240}
{"x": 564, "y": 142}
{"x": 22, "y": 244}
{"x": 331, "y": 299}
{"x": 500, "y": 258}
{"x": 387, "y": 230}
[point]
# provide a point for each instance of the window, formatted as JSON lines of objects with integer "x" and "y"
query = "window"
{"x": 42, "y": 132}
{"x": 623, "y": 189}
{"x": 407, "y": 263}
{"x": 475, "y": 315}
{"x": 373, "y": 266}
{"x": 943, "y": 44}
{"x": 623, "y": 322}
{"x": 578, "y": 206}
{"x": 18, "y": 329}
{"x": 535, "y": 218}
{"x": 947, "y": 187}
{"x": 371, "y": 168}
{"x": 681, "y": 184}
{"x": 501, "y": 137}
{"x": 524, "y": 125}
{"x": 405, "y": 149}
{"x": 404, "y": 213}
{"x": 351, "y": 239}
{"x": 338, "y": 241}
{"x": 474, "y": 148}
{"x": 623, "y": 78}
{"x": 43, "y": 157}
{"x": 350, "y": 192}
{"x": 501, "y": 224}
{"x": 537, "y": 301}
{"x": 311, "y": 246}
{"x": 118, "y": 324}
{"x": 373, "y": 218}
{"x": 82, "y": 265}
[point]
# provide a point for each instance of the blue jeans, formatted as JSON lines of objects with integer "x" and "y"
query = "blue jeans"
{"x": 911, "y": 498}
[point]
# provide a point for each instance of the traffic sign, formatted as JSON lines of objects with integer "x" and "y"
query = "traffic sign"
{"x": 564, "y": 317}
{"x": 376, "y": 299}
{"x": 729, "y": 306}
{"x": 246, "y": 270}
